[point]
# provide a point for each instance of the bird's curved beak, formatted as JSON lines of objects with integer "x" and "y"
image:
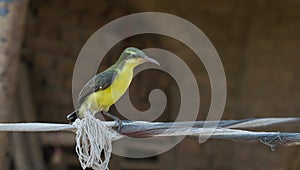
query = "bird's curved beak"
{"x": 150, "y": 60}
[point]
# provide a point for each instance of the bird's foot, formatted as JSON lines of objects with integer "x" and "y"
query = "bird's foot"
{"x": 118, "y": 121}
{"x": 72, "y": 116}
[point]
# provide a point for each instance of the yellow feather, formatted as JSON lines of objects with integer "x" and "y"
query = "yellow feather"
{"x": 103, "y": 99}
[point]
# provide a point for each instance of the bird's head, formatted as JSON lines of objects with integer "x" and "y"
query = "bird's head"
{"x": 135, "y": 57}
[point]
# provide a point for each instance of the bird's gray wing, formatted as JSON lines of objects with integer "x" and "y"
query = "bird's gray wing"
{"x": 99, "y": 82}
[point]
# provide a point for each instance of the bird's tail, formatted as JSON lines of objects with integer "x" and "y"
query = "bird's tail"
{"x": 72, "y": 116}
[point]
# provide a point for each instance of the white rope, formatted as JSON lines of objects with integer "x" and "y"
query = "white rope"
{"x": 93, "y": 142}
{"x": 35, "y": 127}
{"x": 94, "y": 137}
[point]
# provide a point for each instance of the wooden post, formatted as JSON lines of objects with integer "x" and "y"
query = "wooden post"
{"x": 12, "y": 17}
{"x": 33, "y": 147}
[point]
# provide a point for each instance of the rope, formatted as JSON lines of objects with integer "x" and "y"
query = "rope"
{"x": 94, "y": 137}
{"x": 93, "y": 142}
{"x": 36, "y": 127}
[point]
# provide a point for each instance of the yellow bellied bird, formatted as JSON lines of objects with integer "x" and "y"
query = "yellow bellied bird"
{"x": 106, "y": 88}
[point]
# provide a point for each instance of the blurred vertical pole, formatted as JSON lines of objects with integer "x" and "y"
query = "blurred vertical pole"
{"x": 12, "y": 17}
{"x": 30, "y": 153}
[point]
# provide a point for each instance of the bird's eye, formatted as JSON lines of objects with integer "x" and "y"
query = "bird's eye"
{"x": 134, "y": 56}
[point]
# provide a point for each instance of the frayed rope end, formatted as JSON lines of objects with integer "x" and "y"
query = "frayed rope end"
{"x": 94, "y": 142}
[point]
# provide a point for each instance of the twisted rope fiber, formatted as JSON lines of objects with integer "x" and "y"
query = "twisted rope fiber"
{"x": 93, "y": 142}
{"x": 94, "y": 137}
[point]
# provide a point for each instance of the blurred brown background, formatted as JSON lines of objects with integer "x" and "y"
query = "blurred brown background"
{"x": 258, "y": 43}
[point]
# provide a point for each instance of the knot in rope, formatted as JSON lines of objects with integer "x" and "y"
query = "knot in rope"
{"x": 93, "y": 142}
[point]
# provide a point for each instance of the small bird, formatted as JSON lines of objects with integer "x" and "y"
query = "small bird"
{"x": 106, "y": 88}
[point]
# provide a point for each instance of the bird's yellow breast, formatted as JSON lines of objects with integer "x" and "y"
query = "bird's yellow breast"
{"x": 103, "y": 99}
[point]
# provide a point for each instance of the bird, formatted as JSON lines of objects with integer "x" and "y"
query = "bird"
{"x": 106, "y": 88}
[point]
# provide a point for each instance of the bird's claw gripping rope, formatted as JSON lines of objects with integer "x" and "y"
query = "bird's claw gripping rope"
{"x": 118, "y": 121}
